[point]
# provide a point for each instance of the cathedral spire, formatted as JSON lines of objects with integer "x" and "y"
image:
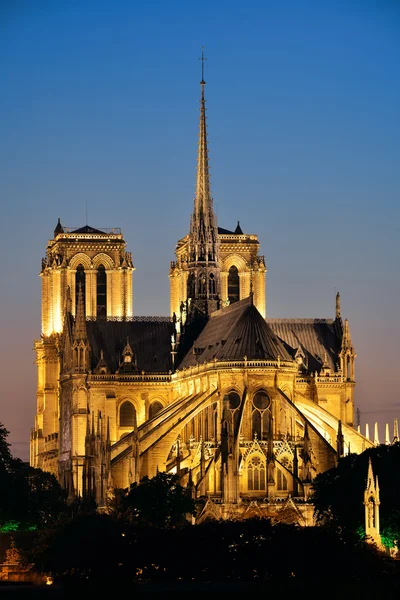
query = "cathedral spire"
{"x": 203, "y": 205}
{"x": 204, "y": 272}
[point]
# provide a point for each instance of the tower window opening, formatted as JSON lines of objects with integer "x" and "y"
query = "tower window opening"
{"x": 233, "y": 285}
{"x": 80, "y": 281}
{"x": 101, "y": 292}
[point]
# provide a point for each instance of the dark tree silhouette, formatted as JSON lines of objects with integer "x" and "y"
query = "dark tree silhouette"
{"x": 159, "y": 501}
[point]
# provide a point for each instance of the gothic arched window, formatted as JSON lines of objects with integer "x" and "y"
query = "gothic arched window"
{"x": 80, "y": 280}
{"x": 234, "y": 404}
{"x": 256, "y": 474}
{"x": 260, "y": 415}
{"x": 127, "y": 415}
{"x": 101, "y": 292}
{"x": 211, "y": 285}
{"x": 154, "y": 408}
{"x": 282, "y": 481}
{"x": 233, "y": 285}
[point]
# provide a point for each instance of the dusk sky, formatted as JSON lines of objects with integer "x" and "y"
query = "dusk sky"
{"x": 99, "y": 110}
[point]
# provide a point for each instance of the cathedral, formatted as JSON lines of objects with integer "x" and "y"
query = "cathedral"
{"x": 245, "y": 409}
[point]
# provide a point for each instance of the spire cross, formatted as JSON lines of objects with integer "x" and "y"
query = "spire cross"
{"x": 202, "y": 58}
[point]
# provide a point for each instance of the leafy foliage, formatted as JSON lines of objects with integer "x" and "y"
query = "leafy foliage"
{"x": 104, "y": 551}
{"x": 32, "y": 498}
{"x": 160, "y": 501}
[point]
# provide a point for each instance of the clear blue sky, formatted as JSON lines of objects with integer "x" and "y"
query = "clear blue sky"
{"x": 99, "y": 115}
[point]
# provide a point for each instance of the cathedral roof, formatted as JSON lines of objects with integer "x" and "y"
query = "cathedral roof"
{"x": 150, "y": 340}
{"x": 315, "y": 336}
{"x": 87, "y": 229}
{"x": 233, "y": 332}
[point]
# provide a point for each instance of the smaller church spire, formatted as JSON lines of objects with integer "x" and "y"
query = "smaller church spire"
{"x": 376, "y": 435}
{"x": 340, "y": 440}
{"x": 371, "y": 503}
{"x": 338, "y": 306}
{"x": 58, "y": 229}
{"x": 395, "y": 431}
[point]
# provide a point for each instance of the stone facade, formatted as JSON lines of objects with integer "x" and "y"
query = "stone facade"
{"x": 246, "y": 410}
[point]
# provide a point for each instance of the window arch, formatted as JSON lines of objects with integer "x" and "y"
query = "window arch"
{"x": 211, "y": 285}
{"x": 80, "y": 281}
{"x": 256, "y": 473}
{"x": 233, "y": 285}
{"x": 154, "y": 408}
{"x": 234, "y": 405}
{"x": 260, "y": 418}
{"x": 127, "y": 414}
{"x": 101, "y": 291}
{"x": 282, "y": 481}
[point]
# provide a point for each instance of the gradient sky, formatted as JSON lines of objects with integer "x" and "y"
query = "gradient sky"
{"x": 99, "y": 110}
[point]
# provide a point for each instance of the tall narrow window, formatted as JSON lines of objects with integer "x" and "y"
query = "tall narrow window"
{"x": 211, "y": 285}
{"x": 261, "y": 415}
{"x": 233, "y": 285}
{"x": 234, "y": 404}
{"x": 101, "y": 292}
{"x": 256, "y": 474}
{"x": 79, "y": 282}
{"x": 127, "y": 415}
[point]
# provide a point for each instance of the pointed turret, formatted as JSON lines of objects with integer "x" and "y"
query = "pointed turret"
{"x": 58, "y": 229}
{"x": 376, "y": 435}
{"x": 387, "y": 438}
{"x": 371, "y": 503}
{"x": 340, "y": 440}
{"x": 338, "y": 306}
{"x": 347, "y": 354}
{"x": 395, "y": 431}
{"x": 238, "y": 229}
{"x": 204, "y": 272}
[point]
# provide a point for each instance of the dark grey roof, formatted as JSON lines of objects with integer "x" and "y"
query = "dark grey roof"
{"x": 314, "y": 336}
{"x": 225, "y": 231}
{"x": 87, "y": 229}
{"x": 233, "y": 332}
{"x": 149, "y": 339}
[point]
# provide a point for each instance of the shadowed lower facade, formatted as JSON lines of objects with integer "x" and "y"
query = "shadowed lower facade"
{"x": 246, "y": 410}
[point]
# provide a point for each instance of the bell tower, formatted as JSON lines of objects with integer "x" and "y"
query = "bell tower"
{"x": 84, "y": 268}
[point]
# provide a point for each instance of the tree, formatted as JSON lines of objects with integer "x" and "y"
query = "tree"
{"x": 31, "y": 497}
{"x": 160, "y": 501}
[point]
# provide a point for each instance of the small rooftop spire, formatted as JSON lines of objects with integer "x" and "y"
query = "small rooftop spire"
{"x": 58, "y": 229}
{"x": 338, "y": 305}
{"x": 395, "y": 431}
{"x": 202, "y": 58}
